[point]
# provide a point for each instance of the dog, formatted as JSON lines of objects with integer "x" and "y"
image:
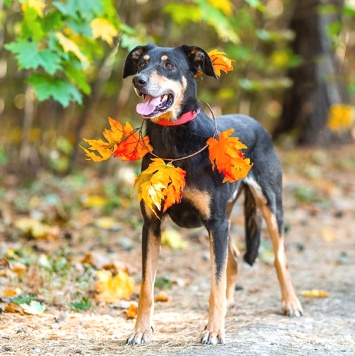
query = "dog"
{"x": 177, "y": 127}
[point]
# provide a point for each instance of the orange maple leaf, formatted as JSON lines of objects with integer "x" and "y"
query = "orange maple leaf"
{"x": 225, "y": 154}
{"x": 121, "y": 141}
{"x": 219, "y": 61}
{"x": 161, "y": 183}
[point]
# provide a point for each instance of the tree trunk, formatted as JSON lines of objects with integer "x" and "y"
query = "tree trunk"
{"x": 315, "y": 85}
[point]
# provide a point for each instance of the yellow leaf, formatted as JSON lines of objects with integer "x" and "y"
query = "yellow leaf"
{"x": 101, "y": 28}
{"x": 112, "y": 288}
{"x": 173, "y": 239}
{"x": 11, "y": 292}
{"x": 37, "y": 5}
{"x": 225, "y": 6}
{"x": 70, "y": 46}
{"x": 95, "y": 201}
{"x": 159, "y": 183}
{"x": 315, "y": 293}
{"x": 340, "y": 117}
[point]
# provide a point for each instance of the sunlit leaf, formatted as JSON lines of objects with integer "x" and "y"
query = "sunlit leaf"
{"x": 173, "y": 239}
{"x": 70, "y": 46}
{"x": 101, "y": 28}
{"x": 225, "y": 154}
{"x": 160, "y": 183}
{"x": 121, "y": 141}
{"x": 162, "y": 296}
{"x": 132, "y": 311}
{"x": 112, "y": 288}
{"x": 34, "y": 307}
{"x": 315, "y": 293}
{"x": 340, "y": 117}
{"x": 225, "y": 6}
{"x": 37, "y": 5}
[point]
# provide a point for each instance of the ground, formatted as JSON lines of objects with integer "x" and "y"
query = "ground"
{"x": 319, "y": 199}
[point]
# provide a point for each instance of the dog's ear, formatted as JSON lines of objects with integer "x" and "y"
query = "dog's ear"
{"x": 199, "y": 58}
{"x": 131, "y": 64}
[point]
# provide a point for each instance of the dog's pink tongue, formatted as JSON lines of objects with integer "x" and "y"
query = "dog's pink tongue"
{"x": 148, "y": 106}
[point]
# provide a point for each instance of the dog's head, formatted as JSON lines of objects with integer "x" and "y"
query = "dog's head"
{"x": 164, "y": 78}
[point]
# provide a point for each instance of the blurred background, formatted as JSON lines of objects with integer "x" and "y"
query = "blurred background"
{"x": 61, "y": 70}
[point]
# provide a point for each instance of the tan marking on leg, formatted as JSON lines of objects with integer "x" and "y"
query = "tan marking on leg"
{"x": 232, "y": 262}
{"x": 143, "y": 327}
{"x": 290, "y": 303}
{"x": 232, "y": 271}
{"x": 164, "y": 57}
{"x": 200, "y": 200}
{"x": 214, "y": 332}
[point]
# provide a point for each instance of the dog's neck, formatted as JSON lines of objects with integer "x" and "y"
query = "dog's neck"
{"x": 184, "y": 118}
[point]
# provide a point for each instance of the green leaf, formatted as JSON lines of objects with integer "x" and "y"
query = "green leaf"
{"x": 32, "y": 26}
{"x": 28, "y": 56}
{"x": 87, "y": 10}
{"x": 33, "y": 308}
{"x": 23, "y": 299}
{"x": 56, "y": 88}
{"x": 183, "y": 13}
{"x": 81, "y": 305}
{"x": 78, "y": 77}
{"x": 256, "y": 4}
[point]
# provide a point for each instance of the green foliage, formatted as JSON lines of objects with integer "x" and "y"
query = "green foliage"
{"x": 57, "y": 43}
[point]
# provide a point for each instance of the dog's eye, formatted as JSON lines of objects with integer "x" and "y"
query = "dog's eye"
{"x": 169, "y": 65}
{"x": 142, "y": 64}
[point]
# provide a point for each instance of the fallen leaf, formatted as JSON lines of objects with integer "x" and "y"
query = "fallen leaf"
{"x": 132, "y": 311}
{"x": 315, "y": 293}
{"x": 340, "y": 117}
{"x": 33, "y": 308}
{"x": 112, "y": 288}
{"x": 19, "y": 268}
{"x": 13, "y": 308}
{"x": 11, "y": 292}
{"x": 173, "y": 239}
{"x": 162, "y": 297}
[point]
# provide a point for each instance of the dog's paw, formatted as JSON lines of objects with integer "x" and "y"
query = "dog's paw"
{"x": 292, "y": 307}
{"x": 212, "y": 338}
{"x": 139, "y": 337}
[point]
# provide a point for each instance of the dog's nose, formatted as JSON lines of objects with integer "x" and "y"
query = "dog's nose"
{"x": 140, "y": 80}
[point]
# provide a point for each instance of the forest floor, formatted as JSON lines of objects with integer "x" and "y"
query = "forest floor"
{"x": 82, "y": 215}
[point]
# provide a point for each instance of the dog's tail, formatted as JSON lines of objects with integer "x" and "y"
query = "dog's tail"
{"x": 253, "y": 222}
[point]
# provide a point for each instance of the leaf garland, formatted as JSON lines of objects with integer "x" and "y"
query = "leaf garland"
{"x": 161, "y": 185}
{"x": 225, "y": 154}
{"x": 121, "y": 141}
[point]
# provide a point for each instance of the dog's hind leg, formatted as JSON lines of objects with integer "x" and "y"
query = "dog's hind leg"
{"x": 270, "y": 203}
{"x": 151, "y": 239}
{"x": 290, "y": 304}
{"x": 233, "y": 254}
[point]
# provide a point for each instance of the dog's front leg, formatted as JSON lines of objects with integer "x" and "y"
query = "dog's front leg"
{"x": 218, "y": 234}
{"x": 151, "y": 237}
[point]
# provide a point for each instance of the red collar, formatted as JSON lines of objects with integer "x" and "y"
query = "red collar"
{"x": 188, "y": 116}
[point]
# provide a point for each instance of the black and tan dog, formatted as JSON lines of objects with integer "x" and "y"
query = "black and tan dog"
{"x": 165, "y": 79}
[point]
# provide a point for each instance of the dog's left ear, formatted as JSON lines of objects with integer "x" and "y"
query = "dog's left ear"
{"x": 131, "y": 64}
{"x": 199, "y": 58}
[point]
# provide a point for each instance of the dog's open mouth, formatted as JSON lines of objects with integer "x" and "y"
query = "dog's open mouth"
{"x": 152, "y": 106}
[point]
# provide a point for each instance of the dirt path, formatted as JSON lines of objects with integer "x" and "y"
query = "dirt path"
{"x": 320, "y": 246}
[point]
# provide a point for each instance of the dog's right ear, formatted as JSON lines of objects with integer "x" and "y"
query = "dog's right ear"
{"x": 131, "y": 64}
